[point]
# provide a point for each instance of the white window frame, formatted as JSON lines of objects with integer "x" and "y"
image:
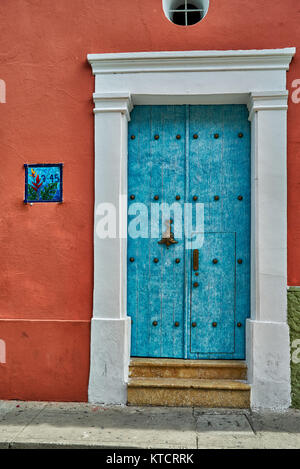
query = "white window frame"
{"x": 170, "y": 6}
{"x": 253, "y": 77}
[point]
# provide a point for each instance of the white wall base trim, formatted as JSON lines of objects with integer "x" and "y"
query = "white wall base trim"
{"x": 110, "y": 355}
{"x": 268, "y": 360}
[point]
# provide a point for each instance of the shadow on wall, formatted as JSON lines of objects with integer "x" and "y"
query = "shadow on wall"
{"x": 294, "y": 324}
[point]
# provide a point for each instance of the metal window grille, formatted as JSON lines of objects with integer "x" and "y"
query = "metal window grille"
{"x": 186, "y": 14}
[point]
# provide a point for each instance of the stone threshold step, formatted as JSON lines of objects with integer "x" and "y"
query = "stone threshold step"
{"x": 181, "y": 383}
{"x": 189, "y": 369}
{"x": 180, "y": 392}
{"x": 176, "y": 362}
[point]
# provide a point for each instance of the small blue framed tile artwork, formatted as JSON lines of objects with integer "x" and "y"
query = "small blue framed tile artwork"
{"x": 43, "y": 183}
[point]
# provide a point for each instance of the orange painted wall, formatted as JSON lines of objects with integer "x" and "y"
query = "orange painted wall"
{"x": 46, "y": 251}
{"x": 46, "y": 360}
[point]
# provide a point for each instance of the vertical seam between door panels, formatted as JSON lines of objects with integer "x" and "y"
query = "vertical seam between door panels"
{"x": 186, "y": 292}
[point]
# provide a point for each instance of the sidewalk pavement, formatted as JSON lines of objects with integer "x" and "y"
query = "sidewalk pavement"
{"x": 81, "y": 425}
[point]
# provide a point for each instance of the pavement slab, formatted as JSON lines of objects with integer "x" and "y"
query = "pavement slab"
{"x": 15, "y": 417}
{"x": 267, "y": 421}
{"x": 225, "y": 429}
{"x": 82, "y": 425}
{"x": 124, "y": 427}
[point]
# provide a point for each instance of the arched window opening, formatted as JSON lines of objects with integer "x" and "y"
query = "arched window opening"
{"x": 185, "y": 12}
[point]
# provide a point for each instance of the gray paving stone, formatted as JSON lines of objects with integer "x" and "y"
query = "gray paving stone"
{"x": 15, "y": 416}
{"x": 80, "y": 425}
{"x": 224, "y": 423}
{"x": 125, "y": 426}
{"x": 287, "y": 422}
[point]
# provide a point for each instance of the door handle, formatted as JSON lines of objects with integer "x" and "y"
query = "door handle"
{"x": 168, "y": 236}
{"x": 196, "y": 259}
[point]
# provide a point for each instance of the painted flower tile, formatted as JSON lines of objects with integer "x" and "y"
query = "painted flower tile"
{"x": 43, "y": 183}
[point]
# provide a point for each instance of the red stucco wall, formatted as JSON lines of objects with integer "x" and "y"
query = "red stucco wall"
{"x": 46, "y": 251}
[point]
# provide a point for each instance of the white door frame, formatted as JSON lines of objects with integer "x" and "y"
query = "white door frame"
{"x": 256, "y": 78}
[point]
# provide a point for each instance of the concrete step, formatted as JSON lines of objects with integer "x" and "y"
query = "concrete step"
{"x": 181, "y": 392}
{"x": 188, "y": 369}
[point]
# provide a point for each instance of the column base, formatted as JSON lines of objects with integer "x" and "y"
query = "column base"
{"x": 109, "y": 362}
{"x": 268, "y": 357}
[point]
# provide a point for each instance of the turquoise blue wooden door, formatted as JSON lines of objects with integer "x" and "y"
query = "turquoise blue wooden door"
{"x": 197, "y": 155}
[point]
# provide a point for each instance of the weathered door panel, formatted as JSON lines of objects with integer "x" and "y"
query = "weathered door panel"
{"x": 201, "y": 154}
{"x": 155, "y": 280}
{"x": 213, "y": 296}
{"x": 219, "y": 175}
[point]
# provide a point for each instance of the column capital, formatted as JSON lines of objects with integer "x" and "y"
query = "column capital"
{"x": 113, "y": 102}
{"x": 267, "y": 100}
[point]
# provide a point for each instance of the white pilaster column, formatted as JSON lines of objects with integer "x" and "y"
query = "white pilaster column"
{"x": 268, "y": 353}
{"x": 110, "y": 327}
